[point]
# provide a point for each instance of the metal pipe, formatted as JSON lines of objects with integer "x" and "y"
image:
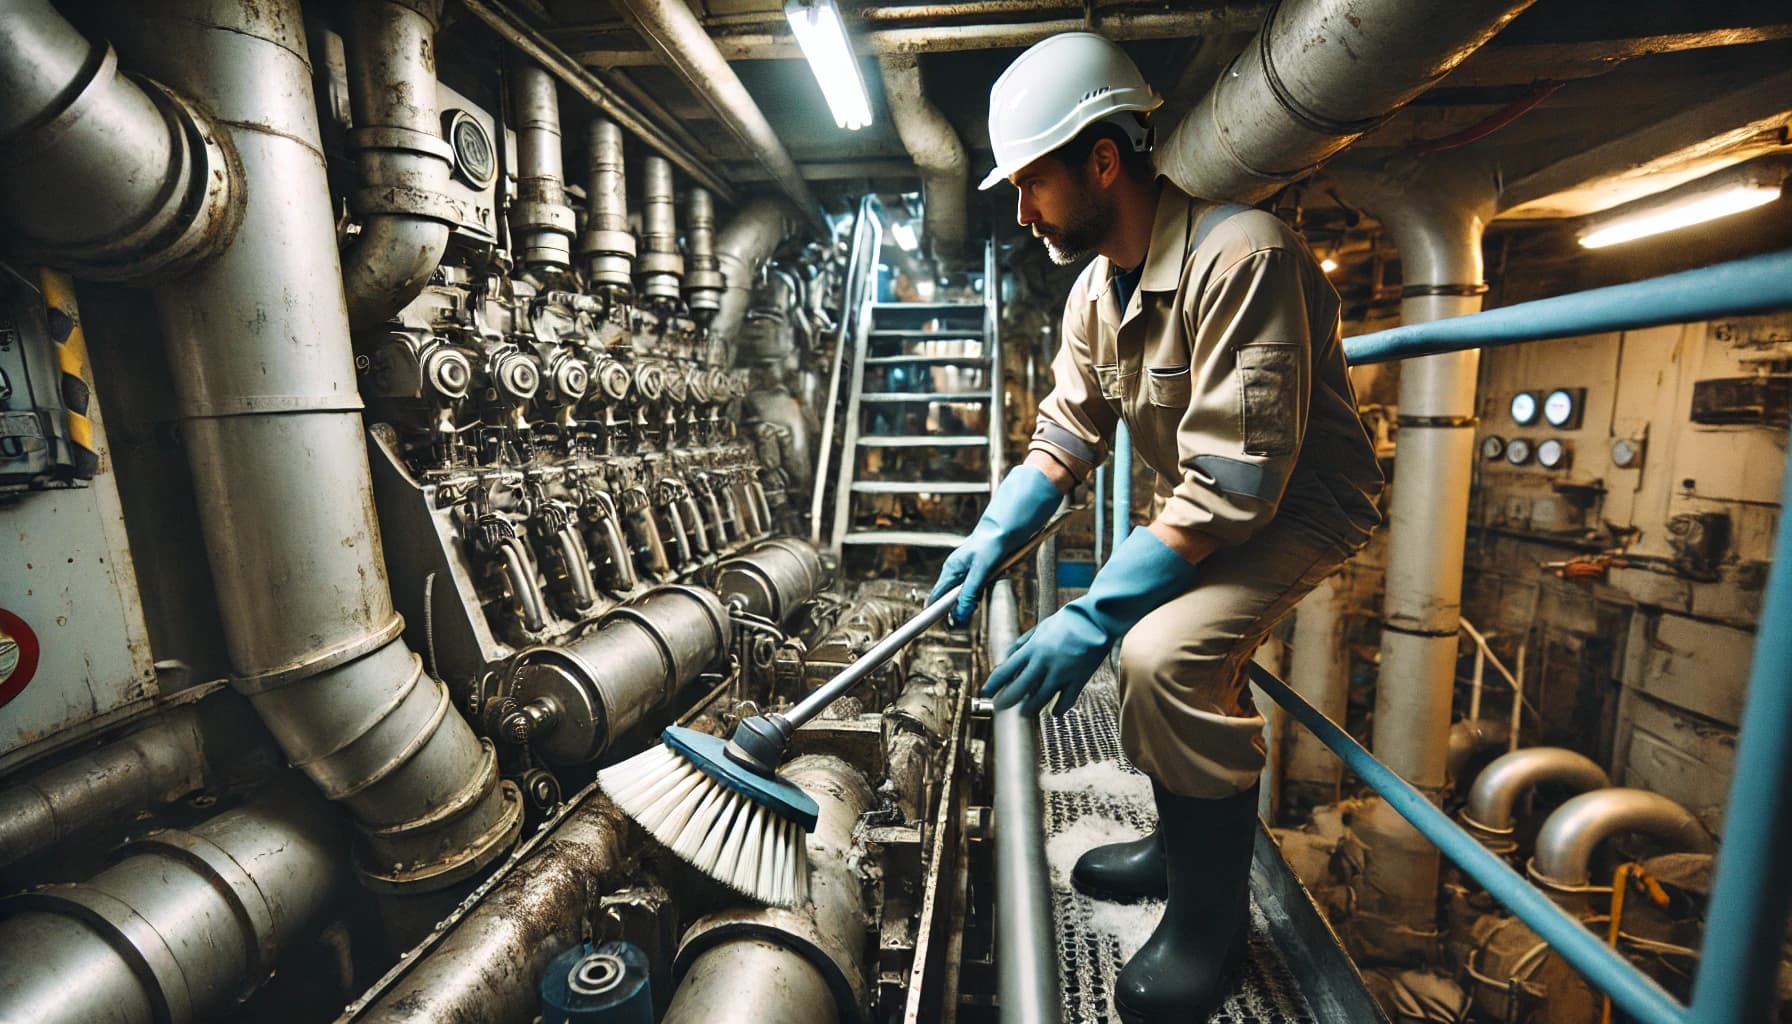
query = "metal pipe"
{"x": 817, "y": 955}
{"x": 773, "y": 579}
{"x": 484, "y": 962}
{"x": 1300, "y": 92}
{"x": 519, "y": 569}
{"x": 617, "y": 548}
{"x": 1509, "y": 777}
{"x": 1573, "y": 833}
{"x": 741, "y": 249}
{"x": 682, "y": 42}
{"x": 146, "y": 768}
{"x": 1752, "y": 895}
{"x": 607, "y": 245}
{"x": 703, "y": 282}
{"x": 660, "y": 268}
{"x": 182, "y": 928}
{"x": 578, "y": 567}
{"x": 401, "y": 159}
{"x": 70, "y": 127}
{"x": 1026, "y": 969}
{"x": 541, "y": 219}
{"x": 1319, "y": 670}
{"x": 664, "y": 138}
{"x": 265, "y": 386}
{"x": 1122, "y": 484}
{"x": 1758, "y": 284}
{"x": 1631, "y": 990}
{"x": 938, "y": 154}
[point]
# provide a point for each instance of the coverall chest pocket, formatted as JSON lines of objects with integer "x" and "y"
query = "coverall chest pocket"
{"x": 1167, "y": 387}
{"x": 1117, "y": 385}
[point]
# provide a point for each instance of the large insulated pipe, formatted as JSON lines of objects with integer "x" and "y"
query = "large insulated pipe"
{"x": 1026, "y": 969}
{"x": 1319, "y": 670}
{"x": 1508, "y": 778}
{"x": 703, "y": 282}
{"x": 401, "y": 159}
{"x": 187, "y": 923}
{"x": 771, "y": 965}
{"x": 674, "y": 32}
{"x": 741, "y": 249}
{"x": 1315, "y": 77}
{"x": 108, "y": 176}
{"x": 661, "y": 266}
{"x": 541, "y": 219}
{"x": 265, "y": 384}
{"x": 152, "y": 766}
{"x": 484, "y": 965}
{"x": 936, "y": 150}
{"x": 1574, "y": 832}
{"x": 608, "y": 246}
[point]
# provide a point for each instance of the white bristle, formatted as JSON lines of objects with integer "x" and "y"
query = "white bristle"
{"x": 728, "y": 835}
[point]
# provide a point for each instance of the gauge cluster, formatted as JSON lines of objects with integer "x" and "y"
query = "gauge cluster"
{"x": 1547, "y": 409}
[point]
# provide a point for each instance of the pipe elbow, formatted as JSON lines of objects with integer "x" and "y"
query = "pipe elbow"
{"x": 938, "y": 152}
{"x": 1575, "y": 831}
{"x": 388, "y": 266}
{"x": 1508, "y": 778}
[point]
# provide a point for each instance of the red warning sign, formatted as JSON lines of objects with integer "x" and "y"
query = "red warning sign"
{"x": 18, "y": 656}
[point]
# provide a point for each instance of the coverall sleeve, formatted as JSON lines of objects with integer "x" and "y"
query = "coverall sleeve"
{"x": 1076, "y": 424}
{"x": 1250, "y": 368}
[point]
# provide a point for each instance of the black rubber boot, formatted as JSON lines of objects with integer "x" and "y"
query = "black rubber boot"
{"x": 1123, "y": 872}
{"x": 1182, "y": 973}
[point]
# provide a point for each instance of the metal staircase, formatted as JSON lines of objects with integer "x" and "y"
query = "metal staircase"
{"x": 903, "y": 393}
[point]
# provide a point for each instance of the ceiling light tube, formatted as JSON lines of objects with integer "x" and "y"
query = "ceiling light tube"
{"x": 822, "y": 36}
{"x": 1728, "y": 192}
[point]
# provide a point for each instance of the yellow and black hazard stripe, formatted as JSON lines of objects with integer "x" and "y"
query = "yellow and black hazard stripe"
{"x": 75, "y": 374}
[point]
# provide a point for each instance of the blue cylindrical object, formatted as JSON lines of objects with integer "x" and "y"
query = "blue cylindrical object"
{"x": 1122, "y": 484}
{"x": 605, "y": 984}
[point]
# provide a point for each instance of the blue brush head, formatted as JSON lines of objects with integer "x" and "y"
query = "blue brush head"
{"x": 706, "y": 752}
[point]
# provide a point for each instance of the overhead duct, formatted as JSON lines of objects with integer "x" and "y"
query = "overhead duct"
{"x": 680, "y": 39}
{"x": 1510, "y": 777}
{"x": 1574, "y": 832}
{"x": 741, "y": 249}
{"x": 607, "y": 245}
{"x": 180, "y": 929}
{"x": 1315, "y": 77}
{"x": 661, "y": 267}
{"x": 937, "y": 152}
{"x": 108, "y": 176}
{"x": 265, "y": 384}
{"x": 401, "y": 159}
{"x": 541, "y": 220}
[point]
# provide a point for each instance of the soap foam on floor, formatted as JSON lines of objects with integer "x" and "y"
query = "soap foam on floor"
{"x": 1102, "y": 778}
{"x": 1091, "y": 830}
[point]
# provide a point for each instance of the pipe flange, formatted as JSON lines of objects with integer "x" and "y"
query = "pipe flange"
{"x": 405, "y": 200}
{"x": 541, "y": 214}
{"x": 334, "y": 770}
{"x": 394, "y": 139}
{"x": 659, "y": 262}
{"x": 614, "y": 243}
{"x": 791, "y": 930}
{"x": 455, "y": 866}
{"x": 248, "y": 904}
{"x": 134, "y": 939}
{"x": 341, "y": 654}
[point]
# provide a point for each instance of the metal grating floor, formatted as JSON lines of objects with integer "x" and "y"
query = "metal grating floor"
{"x": 1092, "y": 795}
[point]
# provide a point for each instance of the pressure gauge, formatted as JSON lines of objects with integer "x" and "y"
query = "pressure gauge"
{"x": 1518, "y": 451}
{"x": 1562, "y": 408}
{"x": 1524, "y": 408}
{"x": 1492, "y": 447}
{"x": 1552, "y": 454}
{"x": 474, "y": 157}
{"x": 1627, "y": 453}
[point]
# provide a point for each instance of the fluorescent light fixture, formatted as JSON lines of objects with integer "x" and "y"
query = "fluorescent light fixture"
{"x": 1685, "y": 213}
{"x": 1328, "y": 264}
{"x": 904, "y": 235}
{"x": 822, "y": 36}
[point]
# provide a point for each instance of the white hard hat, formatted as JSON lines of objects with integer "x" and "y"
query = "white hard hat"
{"x": 1060, "y": 86}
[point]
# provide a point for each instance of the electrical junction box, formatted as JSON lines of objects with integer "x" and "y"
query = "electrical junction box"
{"x": 1755, "y": 401}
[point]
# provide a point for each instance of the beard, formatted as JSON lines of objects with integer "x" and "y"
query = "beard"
{"x": 1075, "y": 239}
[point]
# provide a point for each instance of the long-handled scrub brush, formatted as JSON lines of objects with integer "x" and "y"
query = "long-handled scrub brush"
{"x": 723, "y": 807}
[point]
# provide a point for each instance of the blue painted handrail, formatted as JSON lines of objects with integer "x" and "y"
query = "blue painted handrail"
{"x": 1760, "y": 284}
{"x": 1631, "y": 990}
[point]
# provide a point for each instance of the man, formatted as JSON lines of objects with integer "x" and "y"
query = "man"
{"x": 1214, "y": 335}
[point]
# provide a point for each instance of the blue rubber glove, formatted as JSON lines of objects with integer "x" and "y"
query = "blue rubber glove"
{"x": 1024, "y": 503}
{"x": 1057, "y": 657}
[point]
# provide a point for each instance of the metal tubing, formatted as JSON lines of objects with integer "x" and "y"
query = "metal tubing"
{"x": 1573, "y": 833}
{"x": 540, "y": 218}
{"x": 266, "y": 389}
{"x": 519, "y": 569}
{"x": 1319, "y": 669}
{"x": 752, "y": 981}
{"x": 607, "y": 245}
{"x": 1752, "y": 896}
{"x": 741, "y": 249}
{"x": 485, "y": 962}
{"x": 938, "y": 153}
{"x": 660, "y": 268}
{"x": 1633, "y": 991}
{"x": 1026, "y": 969}
{"x": 1301, "y": 90}
{"x": 180, "y": 929}
{"x": 703, "y": 282}
{"x": 401, "y": 160}
{"x": 578, "y": 567}
{"x": 1122, "y": 484}
{"x": 1509, "y": 777}
{"x": 773, "y": 579}
{"x": 146, "y": 768}
{"x": 70, "y": 127}
{"x": 680, "y": 39}
{"x": 1759, "y": 284}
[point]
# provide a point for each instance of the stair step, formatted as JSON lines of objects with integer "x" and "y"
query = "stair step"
{"x": 961, "y": 334}
{"x": 924, "y": 441}
{"x": 927, "y": 307}
{"x": 924, "y": 396}
{"x": 905, "y": 538}
{"x": 926, "y": 360}
{"x": 918, "y": 487}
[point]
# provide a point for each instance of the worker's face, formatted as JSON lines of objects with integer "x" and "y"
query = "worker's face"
{"x": 1064, "y": 208}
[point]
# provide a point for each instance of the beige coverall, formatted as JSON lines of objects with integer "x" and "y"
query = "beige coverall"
{"x": 1228, "y": 370}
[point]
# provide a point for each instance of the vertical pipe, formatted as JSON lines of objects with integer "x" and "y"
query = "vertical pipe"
{"x": 265, "y": 384}
{"x": 1026, "y": 964}
{"x": 703, "y": 283}
{"x": 1046, "y": 569}
{"x": 1753, "y": 893}
{"x": 608, "y": 245}
{"x": 1318, "y": 671}
{"x": 1101, "y": 515}
{"x": 1122, "y": 484}
{"x": 660, "y": 266}
{"x": 542, "y": 221}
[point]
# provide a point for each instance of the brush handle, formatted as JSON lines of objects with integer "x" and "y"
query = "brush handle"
{"x": 900, "y": 637}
